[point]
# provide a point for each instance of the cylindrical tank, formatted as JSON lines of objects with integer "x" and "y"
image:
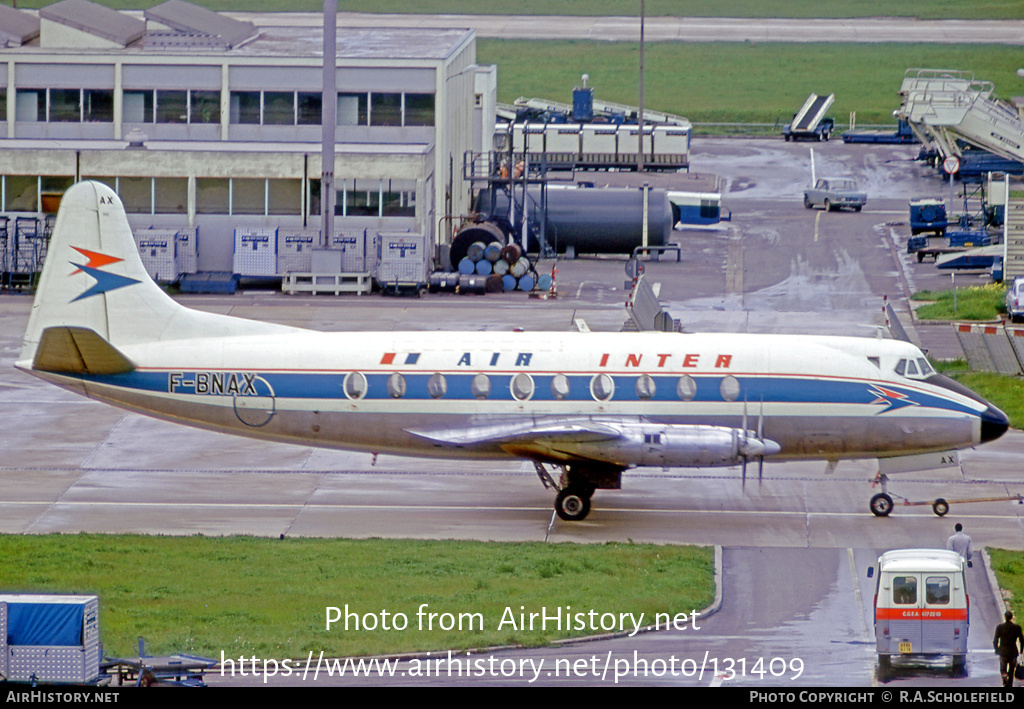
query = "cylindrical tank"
{"x": 591, "y": 220}
{"x": 483, "y": 267}
{"x": 527, "y": 282}
{"x": 442, "y": 282}
{"x": 473, "y": 284}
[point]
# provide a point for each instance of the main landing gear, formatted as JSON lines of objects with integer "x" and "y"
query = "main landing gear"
{"x": 576, "y": 486}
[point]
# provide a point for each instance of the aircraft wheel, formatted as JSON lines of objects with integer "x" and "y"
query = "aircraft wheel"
{"x": 881, "y": 505}
{"x": 572, "y": 504}
{"x": 940, "y": 507}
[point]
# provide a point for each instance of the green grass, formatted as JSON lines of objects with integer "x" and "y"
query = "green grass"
{"x": 1009, "y": 569}
{"x": 741, "y": 82}
{"x": 933, "y": 9}
{"x": 268, "y": 597}
{"x": 972, "y": 303}
{"x": 1004, "y": 391}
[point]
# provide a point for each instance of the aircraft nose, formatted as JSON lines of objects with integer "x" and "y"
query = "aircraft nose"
{"x": 993, "y": 424}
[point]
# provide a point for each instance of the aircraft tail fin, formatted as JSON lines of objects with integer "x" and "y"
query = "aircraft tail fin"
{"x": 95, "y": 289}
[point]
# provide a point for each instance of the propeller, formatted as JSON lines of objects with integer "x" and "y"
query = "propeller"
{"x": 758, "y": 447}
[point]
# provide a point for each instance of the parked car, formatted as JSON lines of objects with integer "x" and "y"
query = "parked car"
{"x": 835, "y": 193}
{"x": 1015, "y": 300}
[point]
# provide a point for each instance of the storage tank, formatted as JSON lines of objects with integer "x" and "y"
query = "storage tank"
{"x": 591, "y": 220}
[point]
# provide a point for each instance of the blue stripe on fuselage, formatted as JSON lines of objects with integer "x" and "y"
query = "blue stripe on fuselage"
{"x": 753, "y": 389}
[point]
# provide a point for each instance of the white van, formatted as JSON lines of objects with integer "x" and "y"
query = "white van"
{"x": 921, "y": 605}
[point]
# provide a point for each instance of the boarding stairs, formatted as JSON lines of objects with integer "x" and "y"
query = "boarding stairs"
{"x": 811, "y": 113}
{"x": 950, "y": 105}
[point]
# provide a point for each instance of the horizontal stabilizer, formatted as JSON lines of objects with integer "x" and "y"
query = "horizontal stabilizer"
{"x": 78, "y": 350}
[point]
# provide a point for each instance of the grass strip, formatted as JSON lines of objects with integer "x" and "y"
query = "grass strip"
{"x": 983, "y": 303}
{"x": 1009, "y": 570}
{"x": 737, "y": 82}
{"x": 250, "y": 596}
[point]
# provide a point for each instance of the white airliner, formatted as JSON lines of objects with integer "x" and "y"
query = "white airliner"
{"x": 591, "y": 404}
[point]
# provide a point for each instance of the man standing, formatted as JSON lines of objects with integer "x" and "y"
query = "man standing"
{"x": 1008, "y": 642}
{"x": 960, "y": 543}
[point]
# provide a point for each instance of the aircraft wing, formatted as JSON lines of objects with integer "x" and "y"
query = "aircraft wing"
{"x": 498, "y": 434}
{"x": 623, "y": 443}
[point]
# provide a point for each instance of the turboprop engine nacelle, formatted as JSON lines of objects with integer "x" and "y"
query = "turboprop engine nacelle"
{"x": 684, "y": 446}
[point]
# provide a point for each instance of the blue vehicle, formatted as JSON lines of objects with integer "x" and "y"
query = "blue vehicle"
{"x": 928, "y": 214}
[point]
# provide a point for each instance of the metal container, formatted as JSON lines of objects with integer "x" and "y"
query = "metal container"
{"x": 590, "y": 220}
{"x": 472, "y": 284}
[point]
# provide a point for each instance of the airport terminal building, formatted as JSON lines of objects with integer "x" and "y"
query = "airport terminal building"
{"x": 212, "y": 126}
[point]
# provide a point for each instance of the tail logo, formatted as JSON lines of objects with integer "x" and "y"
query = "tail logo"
{"x": 105, "y": 282}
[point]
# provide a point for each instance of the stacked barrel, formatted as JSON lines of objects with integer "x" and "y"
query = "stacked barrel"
{"x": 493, "y": 268}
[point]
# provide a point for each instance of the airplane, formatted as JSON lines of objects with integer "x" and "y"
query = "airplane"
{"x": 592, "y": 405}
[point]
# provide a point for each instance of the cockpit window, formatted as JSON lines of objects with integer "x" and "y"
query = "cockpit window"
{"x": 911, "y": 368}
{"x": 926, "y": 369}
{"x": 915, "y": 368}
{"x": 901, "y": 368}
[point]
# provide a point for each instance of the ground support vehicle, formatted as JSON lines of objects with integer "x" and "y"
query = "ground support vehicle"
{"x": 921, "y": 606}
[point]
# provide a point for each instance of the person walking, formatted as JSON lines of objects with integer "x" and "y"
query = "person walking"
{"x": 960, "y": 543}
{"x": 1008, "y": 643}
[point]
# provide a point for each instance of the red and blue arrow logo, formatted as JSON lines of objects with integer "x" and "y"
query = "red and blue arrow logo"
{"x": 105, "y": 282}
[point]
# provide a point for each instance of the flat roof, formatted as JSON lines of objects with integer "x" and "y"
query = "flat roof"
{"x": 229, "y": 146}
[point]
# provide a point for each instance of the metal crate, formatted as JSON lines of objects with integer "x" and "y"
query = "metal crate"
{"x": 255, "y": 252}
{"x": 49, "y": 638}
{"x": 402, "y": 259}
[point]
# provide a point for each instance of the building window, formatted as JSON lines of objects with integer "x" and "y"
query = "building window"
{"x": 385, "y": 109}
{"x": 398, "y": 198}
{"x": 204, "y": 107}
{"x": 30, "y": 105}
{"x": 136, "y": 194}
{"x": 21, "y": 193}
{"x": 65, "y": 105}
{"x": 248, "y": 196}
{"x": 278, "y": 108}
{"x": 284, "y": 197}
{"x": 170, "y": 195}
{"x": 419, "y": 109}
{"x": 213, "y": 195}
{"x": 138, "y": 107}
{"x": 352, "y": 109}
{"x": 171, "y": 106}
{"x": 98, "y": 106}
{"x": 245, "y": 107}
{"x": 310, "y": 108}
{"x": 363, "y": 200}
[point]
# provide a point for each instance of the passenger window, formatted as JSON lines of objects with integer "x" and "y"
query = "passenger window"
{"x": 560, "y": 386}
{"x": 437, "y": 386}
{"x": 522, "y": 386}
{"x": 936, "y": 589}
{"x": 396, "y": 386}
{"x": 355, "y": 385}
{"x": 730, "y": 388}
{"x": 602, "y": 387}
{"x": 481, "y": 386}
{"x": 686, "y": 388}
{"x": 645, "y": 387}
{"x": 904, "y": 590}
